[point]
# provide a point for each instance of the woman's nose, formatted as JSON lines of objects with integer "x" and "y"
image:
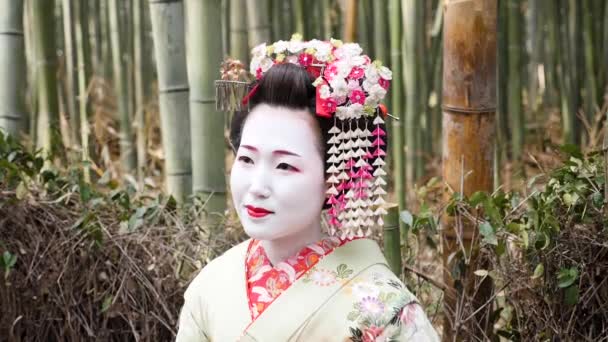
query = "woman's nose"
{"x": 259, "y": 185}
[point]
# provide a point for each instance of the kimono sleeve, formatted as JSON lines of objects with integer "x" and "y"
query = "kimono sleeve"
{"x": 411, "y": 324}
{"x": 191, "y": 320}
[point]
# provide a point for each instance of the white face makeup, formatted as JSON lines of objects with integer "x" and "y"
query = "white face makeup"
{"x": 277, "y": 180}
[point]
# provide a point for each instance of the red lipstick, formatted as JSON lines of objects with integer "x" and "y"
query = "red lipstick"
{"x": 257, "y": 212}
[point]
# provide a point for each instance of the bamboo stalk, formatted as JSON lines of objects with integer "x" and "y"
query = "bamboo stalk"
{"x": 170, "y": 52}
{"x": 96, "y": 37}
{"x": 514, "y": 97}
{"x": 138, "y": 76}
{"x": 239, "y": 48}
{"x": 207, "y": 125}
{"x": 391, "y": 238}
{"x": 397, "y": 109}
{"x": 469, "y": 107}
{"x": 127, "y": 151}
{"x": 258, "y": 23}
{"x": 591, "y": 82}
{"x": 298, "y": 8}
{"x": 350, "y": 21}
{"x": 326, "y": 12}
{"x": 12, "y": 62}
{"x": 46, "y": 73}
{"x": 82, "y": 92}
{"x": 70, "y": 98}
{"x": 412, "y": 120}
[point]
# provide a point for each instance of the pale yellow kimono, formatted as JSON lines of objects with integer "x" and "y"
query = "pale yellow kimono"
{"x": 349, "y": 295}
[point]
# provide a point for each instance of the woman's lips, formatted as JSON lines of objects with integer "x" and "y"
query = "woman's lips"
{"x": 257, "y": 212}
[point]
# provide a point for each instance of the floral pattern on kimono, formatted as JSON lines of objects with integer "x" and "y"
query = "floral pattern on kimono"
{"x": 385, "y": 311}
{"x": 266, "y": 282}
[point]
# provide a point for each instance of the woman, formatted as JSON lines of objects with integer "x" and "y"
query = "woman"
{"x": 305, "y": 145}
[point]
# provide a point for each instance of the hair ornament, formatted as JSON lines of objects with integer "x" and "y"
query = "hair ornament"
{"x": 349, "y": 88}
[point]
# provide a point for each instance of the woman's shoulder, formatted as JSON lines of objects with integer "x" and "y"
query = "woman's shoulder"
{"x": 228, "y": 265}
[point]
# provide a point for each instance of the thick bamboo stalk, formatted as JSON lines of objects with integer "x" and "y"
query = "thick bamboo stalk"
{"x": 138, "y": 77}
{"x": 96, "y": 38}
{"x": 350, "y": 21}
{"x": 365, "y": 27}
{"x": 70, "y": 78}
{"x": 46, "y": 73}
{"x": 534, "y": 22}
{"x": 514, "y": 97}
{"x": 12, "y": 62}
{"x": 392, "y": 240}
{"x": 590, "y": 79}
{"x": 127, "y": 150}
{"x": 30, "y": 124}
{"x": 436, "y": 55}
{"x": 410, "y": 11}
{"x": 170, "y": 52}
{"x": 575, "y": 66}
{"x": 298, "y": 8}
{"x": 469, "y": 106}
{"x": 257, "y": 21}
{"x": 239, "y": 46}
{"x": 397, "y": 109}
{"x": 82, "y": 91}
{"x": 381, "y": 44}
{"x": 207, "y": 124}
{"x": 326, "y": 13}
{"x": 551, "y": 55}
{"x": 424, "y": 136}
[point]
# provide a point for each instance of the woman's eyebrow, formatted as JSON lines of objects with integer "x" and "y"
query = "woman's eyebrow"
{"x": 248, "y": 147}
{"x": 275, "y": 152}
{"x": 284, "y": 152}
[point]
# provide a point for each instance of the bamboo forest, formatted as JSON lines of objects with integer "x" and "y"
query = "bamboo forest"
{"x": 115, "y": 159}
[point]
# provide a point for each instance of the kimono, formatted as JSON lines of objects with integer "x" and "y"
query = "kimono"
{"x": 334, "y": 290}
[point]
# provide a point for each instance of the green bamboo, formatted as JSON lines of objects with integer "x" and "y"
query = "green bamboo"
{"x": 207, "y": 125}
{"x": 31, "y": 123}
{"x": 435, "y": 70}
{"x": 276, "y": 13}
{"x": 106, "y": 46}
{"x": 575, "y": 65}
{"x": 138, "y": 76}
{"x": 533, "y": 32}
{"x": 424, "y": 139}
{"x": 502, "y": 116}
{"x": 83, "y": 12}
{"x": 397, "y": 109}
{"x": 239, "y": 48}
{"x": 298, "y": 8}
{"x": 410, "y": 12}
{"x": 326, "y": 12}
{"x": 70, "y": 76}
{"x": 258, "y": 23}
{"x": 392, "y": 240}
{"x": 170, "y": 52}
{"x": 603, "y": 53}
{"x": 96, "y": 37}
{"x": 550, "y": 55}
{"x": 43, "y": 27}
{"x": 82, "y": 90}
{"x": 514, "y": 96}
{"x": 127, "y": 151}
{"x": 590, "y": 79}
{"x": 365, "y": 29}
{"x": 12, "y": 62}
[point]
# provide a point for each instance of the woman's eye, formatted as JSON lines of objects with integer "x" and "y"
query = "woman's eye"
{"x": 245, "y": 160}
{"x": 287, "y": 167}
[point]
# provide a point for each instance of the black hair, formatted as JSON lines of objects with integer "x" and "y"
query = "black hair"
{"x": 285, "y": 85}
{"x": 290, "y": 86}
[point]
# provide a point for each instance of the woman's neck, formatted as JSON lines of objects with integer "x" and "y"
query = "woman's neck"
{"x": 281, "y": 249}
